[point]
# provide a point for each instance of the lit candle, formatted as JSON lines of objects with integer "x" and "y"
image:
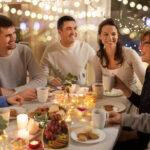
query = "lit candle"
{"x": 23, "y": 133}
{"x": 22, "y": 121}
{"x": 34, "y": 144}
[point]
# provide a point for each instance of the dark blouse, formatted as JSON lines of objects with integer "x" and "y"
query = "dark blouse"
{"x": 143, "y": 102}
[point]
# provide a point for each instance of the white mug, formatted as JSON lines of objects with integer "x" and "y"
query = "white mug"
{"x": 99, "y": 118}
{"x": 108, "y": 81}
{"x": 42, "y": 94}
{"x": 98, "y": 90}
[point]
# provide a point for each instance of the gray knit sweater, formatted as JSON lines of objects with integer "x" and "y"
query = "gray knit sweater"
{"x": 137, "y": 122}
{"x": 13, "y": 70}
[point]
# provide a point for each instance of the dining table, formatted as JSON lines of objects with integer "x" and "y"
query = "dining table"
{"x": 111, "y": 131}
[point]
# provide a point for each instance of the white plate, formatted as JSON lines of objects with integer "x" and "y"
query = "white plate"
{"x": 117, "y": 106}
{"x": 114, "y": 92}
{"x": 14, "y": 134}
{"x": 19, "y": 110}
{"x": 99, "y": 132}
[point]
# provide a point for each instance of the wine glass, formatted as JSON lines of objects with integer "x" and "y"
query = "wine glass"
{"x": 81, "y": 107}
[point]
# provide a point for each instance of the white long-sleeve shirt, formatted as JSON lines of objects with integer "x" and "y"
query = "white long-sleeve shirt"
{"x": 126, "y": 72}
{"x": 67, "y": 60}
{"x": 13, "y": 70}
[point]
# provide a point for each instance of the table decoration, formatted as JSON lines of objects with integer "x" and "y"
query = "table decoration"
{"x": 55, "y": 133}
{"x": 22, "y": 121}
{"x": 34, "y": 144}
{"x": 19, "y": 144}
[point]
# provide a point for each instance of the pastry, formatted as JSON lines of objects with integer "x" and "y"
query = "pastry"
{"x": 13, "y": 113}
{"x": 108, "y": 107}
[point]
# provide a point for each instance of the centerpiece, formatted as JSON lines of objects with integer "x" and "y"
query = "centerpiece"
{"x": 55, "y": 133}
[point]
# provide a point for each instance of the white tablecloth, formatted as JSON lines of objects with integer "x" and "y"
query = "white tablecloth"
{"x": 111, "y": 132}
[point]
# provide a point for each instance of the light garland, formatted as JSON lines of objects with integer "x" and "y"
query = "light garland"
{"x": 133, "y": 4}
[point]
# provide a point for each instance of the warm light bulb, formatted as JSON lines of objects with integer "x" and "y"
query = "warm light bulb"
{"x": 76, "y": 4}
{"x": 39, "y": 16}
{"x": 145, "y": 8}
{"x": 51, "y": 18}
{"x": 19, "y": 12}
{"x": 125, "y": 2}
{"x": 27, "y": 13}
{"x": 132, "y": 4}
{"x": 33, "y": 15}
{"x": 6, "y": 8}
{"x": 139, "y": 6}
{"x": 13, "y": 10}
{"x": 1, "y": 5}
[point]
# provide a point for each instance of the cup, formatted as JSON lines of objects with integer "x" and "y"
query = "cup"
{"x": 22, "y": 121}
{"x": 108, "y": 82}
{"x": 98, "y": 90}
{"x": 99, "y": 118}
{"x": 42, "y": 94}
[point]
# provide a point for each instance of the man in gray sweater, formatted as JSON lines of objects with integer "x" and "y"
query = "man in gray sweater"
{"x": 15, "y": 61}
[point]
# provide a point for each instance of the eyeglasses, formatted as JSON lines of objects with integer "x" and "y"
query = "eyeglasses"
{"x": 144, "y": 43}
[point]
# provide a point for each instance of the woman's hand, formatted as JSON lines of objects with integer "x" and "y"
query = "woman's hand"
{"x": 120, "y": 85}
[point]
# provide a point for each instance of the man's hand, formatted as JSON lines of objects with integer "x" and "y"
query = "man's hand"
{"x": 114, "y": 118}
{"x": 28, "y": 94}
{"x": 15, "y": 100}
{"x": 56, "y": 82}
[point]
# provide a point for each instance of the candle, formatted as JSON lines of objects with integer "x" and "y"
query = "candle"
{"x": 22, "y": 121}
{"x": 23, "y": 133}
{"x": 34, "y": 144}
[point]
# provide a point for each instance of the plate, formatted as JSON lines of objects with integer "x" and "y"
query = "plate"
{"x": 99, "y": 132}
{"x": 114, "y": 92}
{"x": 19, "y": 110}
{"x": 14, "y": 134}
{"x": 117, "y": 106}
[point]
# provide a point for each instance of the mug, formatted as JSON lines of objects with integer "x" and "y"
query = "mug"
{"x": 98, "y": 90}
{"x": 108, "y": 81}
{"x": 99, "y": 118}
{"x": 42, "y": 94}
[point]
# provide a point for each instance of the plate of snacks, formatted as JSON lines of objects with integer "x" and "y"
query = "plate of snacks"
{"x": 113, "y": 92}
{"x": 14, "y": 111}
{"x": 112, "y": 106}
{"x": 55, "y": 133}
{"x": 49, "y": 111}
{"x": 88, "y": 135}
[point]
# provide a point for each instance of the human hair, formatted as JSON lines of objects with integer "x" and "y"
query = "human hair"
{"x": 5, "y": 22}
{"x": 102, "y": 53}
{"x": 147, "y": 33}
{"x": 62, "y": 20}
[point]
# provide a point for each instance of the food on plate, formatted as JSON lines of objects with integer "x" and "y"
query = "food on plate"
{"x": 108, "y": 107}
{"x": 49, "y": 111}
{"x": 33, "y": 126}
{"x": 55, "y": 134}
{"x": 19, "y": 144}
{"x": 87, "y": 136}
{"x": 13, "y": 112}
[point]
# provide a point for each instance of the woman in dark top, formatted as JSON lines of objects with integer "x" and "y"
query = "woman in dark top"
{"x": 141, "y": 101}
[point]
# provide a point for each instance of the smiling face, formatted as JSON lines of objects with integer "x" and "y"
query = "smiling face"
{"x": 145, "y": 48}
{"x": 109, "y": 36}
{"x": 68, "y": 33}
{"x": 7, "y": 39}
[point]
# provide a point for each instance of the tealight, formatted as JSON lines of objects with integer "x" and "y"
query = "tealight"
{"x": 34, "y": 144}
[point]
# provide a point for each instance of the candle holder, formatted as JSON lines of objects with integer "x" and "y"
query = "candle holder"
{"x": 34, "y": 144}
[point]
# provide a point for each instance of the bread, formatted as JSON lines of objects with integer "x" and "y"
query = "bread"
{"x": 13, "y": 113}
{"x": 87, "y": 136}
{"x": 108, "y": 107}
